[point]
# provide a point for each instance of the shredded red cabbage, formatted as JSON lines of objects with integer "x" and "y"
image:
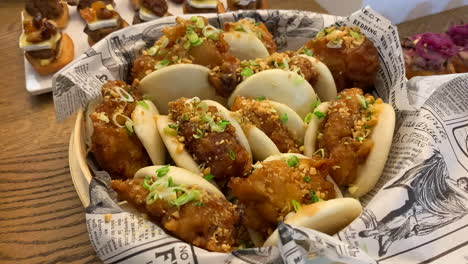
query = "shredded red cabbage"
{"x": 459, "y": 35}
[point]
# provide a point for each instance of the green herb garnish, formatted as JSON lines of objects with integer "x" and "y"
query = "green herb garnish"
{"x": 143, "y": 104}
{"x": 307, "y": 179}
{"x": 292, "y": 161}
{"x": 129, "y": 127}
{"x": 161, "y": 172}
{"x": 307, "y": 52}
{"x": 319, "y": 114}
{"x": 186, "y": 197}
{"x": 260, "y": 98}
{"x": 199, "y": 134}
{"x": 308, "y": 118}
{"x": 209, "y": 177}
{"x": 246, "y": 72}
{"x": 147, "y": 182}
{"x": 313, "y": 197}
{"x": 284, "y": 118}
{"x": 232, "y": 155}
{"x": 220, "y": 126}
{"x": 296, "y": 205}
{"x": 316, "y": 103}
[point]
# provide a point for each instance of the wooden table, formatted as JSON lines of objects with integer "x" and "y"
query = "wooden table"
{"x": 41, "y": 218}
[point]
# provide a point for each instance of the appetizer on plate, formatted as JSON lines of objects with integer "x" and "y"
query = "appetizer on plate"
{"x": 351, "y": 57}
{"x": 203, "y": 6}
{"x": 101, "y": 19}
{"x": 356, "y": 131}
{"x": 234, "y": 5}
{"x": 147, "y": 10}
{"x": 47, "y": 49}
{"x": 54, "y": 10}
{"x": 459, "y": 36}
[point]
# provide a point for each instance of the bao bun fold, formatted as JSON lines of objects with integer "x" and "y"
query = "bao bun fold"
{"x": 144, "y": 125}
{"x": 177, "y": 150}
{"x": 278, "y": 85}
{"x": 368, "y": 173}
{"x": 245, "y": 46}
{"x": 325, "y": 86}
{"x": 175, "y": 81}
{"x": 181, "y": 176}
{"x": 328, "y": 217}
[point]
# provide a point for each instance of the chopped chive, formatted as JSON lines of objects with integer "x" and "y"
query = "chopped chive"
{"x": 232, "y": 155}
{"x": 207, "y": 118}
{"x": 293, "y": 161}
{"x": 307, "y": 52}
{"x": 296, "y": 205}
{"x": 197, "y": 43}
{"x": 147, "y": 182}
{"x": 313, "y": 197}
{"x": 348, "y": 97}
{"x": 153, "y": 50}
{"x": 220, "y": 126}
{"x": 316, "y": 103}
{"x": 320, "y": 152}
{"x": 246, "y": 72}
{"x": 284, "y": 118}
{"x": 260, "y": 98}
{"x": 307, "y": 179}
{"x": 186, "y": 197}
{"x": 198, "y": 203}
{"x": 362, "y": 101}
{"x": 239, "y": 28}
{"x": 161, "y": 172}
{"x": 185, "y": 118}
{"x": 170, "y": 131}
{"x": 359, "y": 138}
{"x": 143, "y": 104}
{"x": 199, "y": 134}
{"x": 200, "y": 23}
{"x": 308, "y": 117}
{"x": 209, "y": 177}
{"x": 257, "y": 24}
{"x": 338, "y": 97}
{"x": 173, "y": 126}
{"x": 193, "y": 19}
{"x": 319, "y": 114}
{"x": 129, "y": 127}
{"x": 170, "y": 182}
{"x": 355, "y": 35}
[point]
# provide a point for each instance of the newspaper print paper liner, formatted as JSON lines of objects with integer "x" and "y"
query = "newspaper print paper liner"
{"x": 122, "y": 237}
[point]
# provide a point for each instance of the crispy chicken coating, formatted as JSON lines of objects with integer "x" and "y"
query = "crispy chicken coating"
{"x": 209, "y": 222}
{"x": 117, "y": 149}
{"x": 350, "y": 56}
{"x": 210, "y": 139}
{"x": 344, "y": 135}
{"x": 262, "y": 115}
{"x": 268, "y": 194}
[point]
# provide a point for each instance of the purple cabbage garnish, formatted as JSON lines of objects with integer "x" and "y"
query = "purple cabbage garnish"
{"x": 459, "y": 35}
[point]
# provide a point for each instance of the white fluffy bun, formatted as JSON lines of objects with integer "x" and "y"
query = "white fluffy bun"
{"x": 370, "y": 171}
{"x": 278, "y": 85}
{"x": 175, "y": 81}
{"x": 325, "y": 86}
{"x": 328, "y": 217}
{"x": 245, "y": 46}
{"x": 144, "y": 125}
{"x": 182, "y": 177}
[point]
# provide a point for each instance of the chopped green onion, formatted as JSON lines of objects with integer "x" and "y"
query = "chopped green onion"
{"x": 338, "y": 97}
{"x": 207, "y": 118}
{"x": 253, "y": 63}
{"x": 186, "y": 197}
{"x": 170, "y": 131}
{"x": 199, "y": 134}
{"x": 173, "y": 126}
{"x": 185, "y": 118}
{"x": 220, "y": 126}
{"x": 308, "y": 117}
{"x": 298, "y": 80}
{"x": 147, "y": 182}
{"x": 200, "y": 23}
{"x": 284, "y": 118}
{"x": 143, "y": 104}
{"x": 362, "y": 101}
{"x": 232, "y": 155}
{"x": 316, "y": 103}
{"x": 257, "y": 24}
{"x": 296, "y": 205}
{"x": 293, "y": 161}
{"x": 348, "y": 97}
{"x": 197, "y": 43}
{"x": 355, "y": 35}
{"x": 187, "y": 45}
{"x": 319, "y": 114}
{"x": 129, "y": 126}
{"x": 193, "y": 19}
{"x": 320, "y": 152}
{"x": 313, "y": 197}
{"x": 198, "y": 203}
{"x": 359, "y": 138}
{"x": 260, "y": 98}
{"x": 209, "y": 177}
{"x": 307, "y": 179}
{"x": 246, "y": 72}
{"x": 153, "y": 50}
{"x": 162, "y": 64}
{"x": 307, "y": 52}
{"x": 161, "y": 172}
{"x": 213, "y": 36}
{"x": 192, "y": 37}
{"x": 239, "y": 28}
{"x": 170, "y": 182}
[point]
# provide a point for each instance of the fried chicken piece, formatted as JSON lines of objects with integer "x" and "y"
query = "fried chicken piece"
{"x": 210, "y": 140}
{"x": 268, "y": 193}
{"x": 178, "y": 45}
{"x": 116, "y": 149}
{"x": 344, "y": 135}
{"x": 351, "y": 57}
{"x": 262, "y": 115}
{"x": 210, "y": 222}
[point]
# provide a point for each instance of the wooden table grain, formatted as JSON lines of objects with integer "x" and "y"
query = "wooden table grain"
{"x": 41, "y": 218}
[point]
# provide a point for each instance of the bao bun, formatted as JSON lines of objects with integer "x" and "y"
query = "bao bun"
{"x": 369, "y": 172}
{"x": 278, "y": 85}
{"x": 175, "y": 81}
{"x": 181, "y": 176}
{"x": 245, "y": 46}
{"x": 178, "y": 151}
